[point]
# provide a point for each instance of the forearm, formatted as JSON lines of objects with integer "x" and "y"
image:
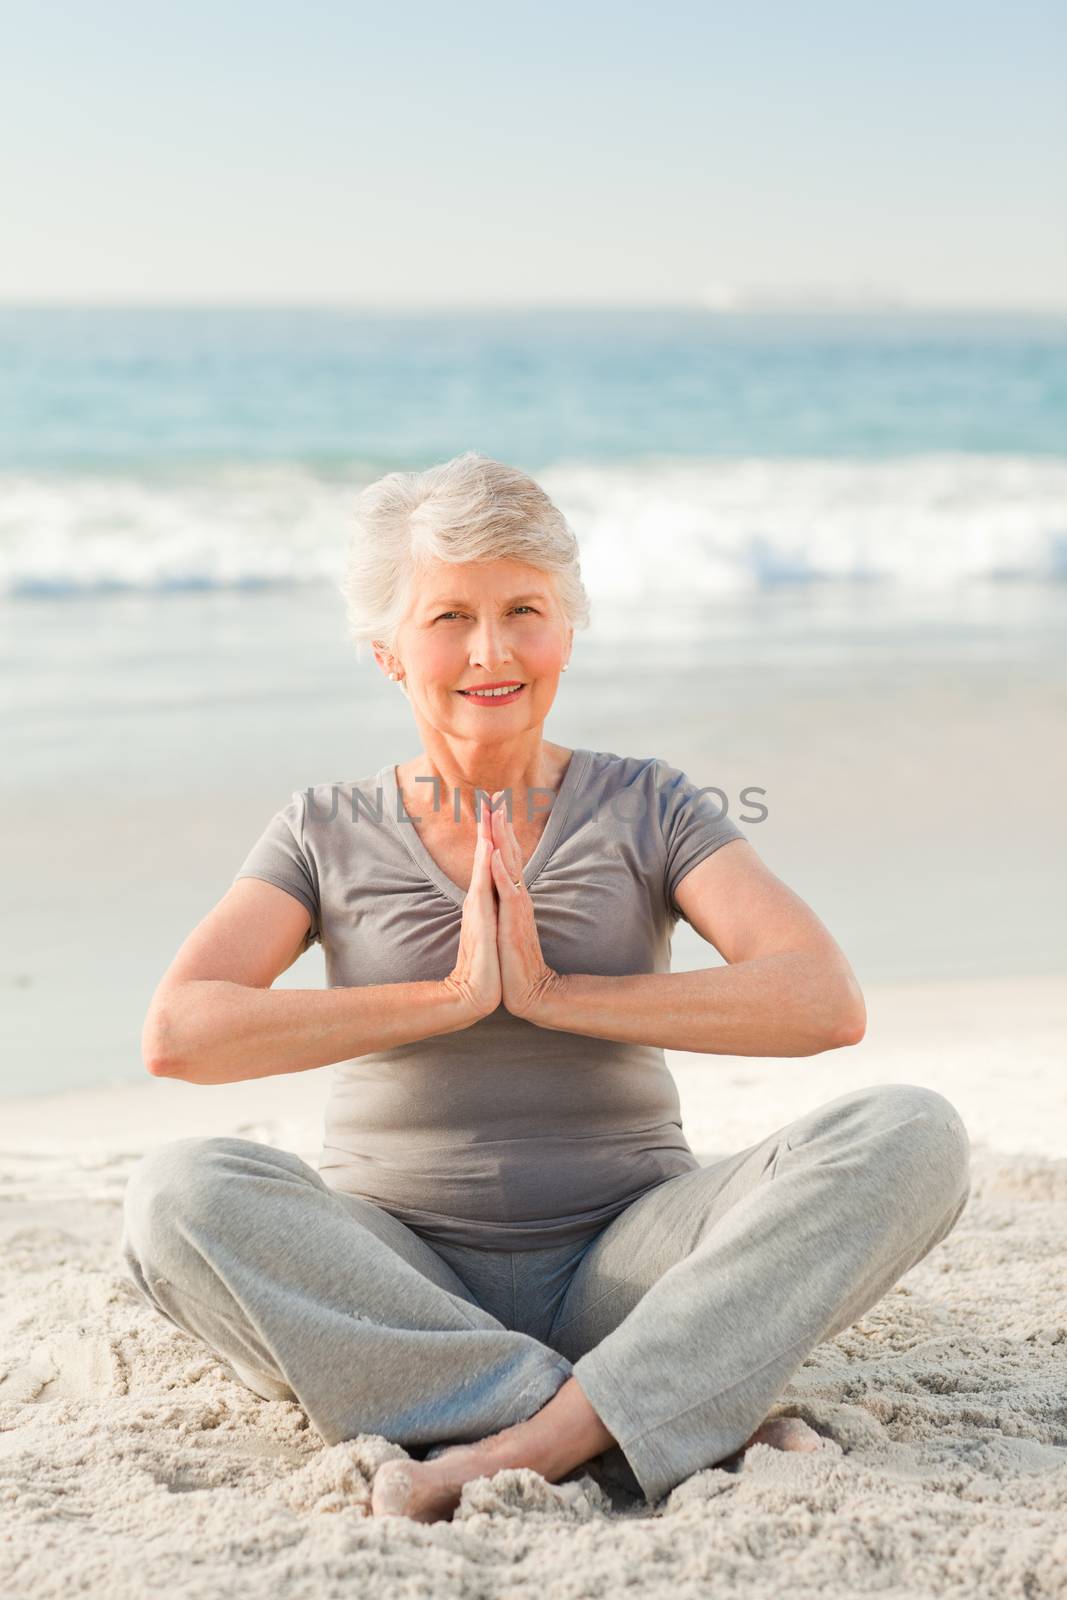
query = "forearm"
{"x": 794, "y": 1003}
{"x": 208, "y": 1031}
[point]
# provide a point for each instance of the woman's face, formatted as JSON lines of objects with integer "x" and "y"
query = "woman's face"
{"x": 483, "y": 623}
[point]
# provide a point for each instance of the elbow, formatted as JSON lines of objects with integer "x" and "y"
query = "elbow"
{"x": 831, "y": 1012}
{"x": 837, "y": 1013}
{"x": 851, "y": 1019}
{"x": 160, "y": 1066}
{"x": 160, "y": 1058}
{"x": 852, "y": 1034}
{"x": 158, "y": 1061}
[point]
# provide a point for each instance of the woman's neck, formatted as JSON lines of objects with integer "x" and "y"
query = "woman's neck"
{"x": 436, "y": 783}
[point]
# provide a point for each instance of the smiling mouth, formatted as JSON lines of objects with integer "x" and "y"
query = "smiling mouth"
{"x": 492, "y": 697}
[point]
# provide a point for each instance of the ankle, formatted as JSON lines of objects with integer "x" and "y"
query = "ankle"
{"x": 543, "y": 1448}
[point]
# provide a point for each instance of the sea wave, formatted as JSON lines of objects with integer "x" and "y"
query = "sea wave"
{"x": 662, "y": 527}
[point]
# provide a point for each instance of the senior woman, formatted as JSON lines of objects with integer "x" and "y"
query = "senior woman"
{"x": 509, "y": 1255}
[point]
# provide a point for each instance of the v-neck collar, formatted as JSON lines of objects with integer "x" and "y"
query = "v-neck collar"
{"x": 545, "y": 845}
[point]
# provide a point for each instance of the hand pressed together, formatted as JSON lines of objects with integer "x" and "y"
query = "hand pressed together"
{"x": 525, "y": 976}
{"x": 499, "y": 958}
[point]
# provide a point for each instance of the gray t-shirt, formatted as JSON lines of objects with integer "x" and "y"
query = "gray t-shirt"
{"x": 502, "y": 1135}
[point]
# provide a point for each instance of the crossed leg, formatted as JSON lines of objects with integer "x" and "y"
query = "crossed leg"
{"x": 323, "y": 1298}
{"x": 688, "y": 1314}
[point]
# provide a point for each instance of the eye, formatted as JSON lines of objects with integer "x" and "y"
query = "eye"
{"x": 445, "y": 614}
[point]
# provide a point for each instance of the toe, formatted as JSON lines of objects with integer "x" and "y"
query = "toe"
{"x": 391, "y": 1489}
{"x": 786, "y": 1433}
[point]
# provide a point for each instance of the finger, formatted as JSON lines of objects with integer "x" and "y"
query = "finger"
{"x": 499, "y": 837}
{"x": 505, "y": 840}
{"x": 495, "y": 828}
{"x": 485, "y": 827}
{"x": 483, "y": 877}
{"x": 500, "y": 873}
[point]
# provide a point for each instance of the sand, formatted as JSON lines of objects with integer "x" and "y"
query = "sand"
{"x": 133, "y": 1462}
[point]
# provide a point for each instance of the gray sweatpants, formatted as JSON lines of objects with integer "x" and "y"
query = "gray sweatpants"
{"x": 682, "y": 1319}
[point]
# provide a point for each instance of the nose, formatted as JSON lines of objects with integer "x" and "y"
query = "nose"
{"x": 489, "y": 647}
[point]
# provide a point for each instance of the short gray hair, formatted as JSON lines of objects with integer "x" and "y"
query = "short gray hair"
{"x": 471, "y": 508}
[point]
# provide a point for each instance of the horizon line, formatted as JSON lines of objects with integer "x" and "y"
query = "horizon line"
{"x": 769, "y": 308}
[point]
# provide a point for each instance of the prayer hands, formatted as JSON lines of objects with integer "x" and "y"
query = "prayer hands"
{"x": 525, "y": 977}
{"x": 476, "y": 974}
{"x": 499, "y": 958}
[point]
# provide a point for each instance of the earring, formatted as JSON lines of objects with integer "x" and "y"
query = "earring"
{"x": 565, "y": 665}
{"x": 392, "y": 677}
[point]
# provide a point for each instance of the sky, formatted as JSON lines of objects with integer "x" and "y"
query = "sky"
{"x": 906, "y": 152}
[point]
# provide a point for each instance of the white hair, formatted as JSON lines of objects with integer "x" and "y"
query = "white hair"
{"x": 471, "y": 508}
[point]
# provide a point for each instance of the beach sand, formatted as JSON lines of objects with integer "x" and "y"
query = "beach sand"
{"x": 132, "y": 1461}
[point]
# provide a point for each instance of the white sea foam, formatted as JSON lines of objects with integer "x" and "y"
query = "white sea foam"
{"x": 671, "y": 528}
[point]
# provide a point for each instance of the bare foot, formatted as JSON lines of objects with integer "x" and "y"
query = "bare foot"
{"x": 785, "y": 1433}
{"x": 427, "y": 1491}
{"x": 564, "y": 1433}
{"x": 430, "y": 1491}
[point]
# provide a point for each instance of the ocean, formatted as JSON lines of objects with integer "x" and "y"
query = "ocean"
{"x": 826, "y": 557}
{"x": 155, "y": 450}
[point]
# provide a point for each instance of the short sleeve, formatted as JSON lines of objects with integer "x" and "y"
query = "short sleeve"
{"x": 694, "y": 823}
{"x": 279, "y": 857}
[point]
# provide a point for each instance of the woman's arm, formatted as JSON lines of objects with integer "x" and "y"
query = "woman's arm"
{"x": 793, "y": 1003}
{"x": 208, "y": 1030}
{"x": 787, "y": 991}
{"x": 215, "y": 1019}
